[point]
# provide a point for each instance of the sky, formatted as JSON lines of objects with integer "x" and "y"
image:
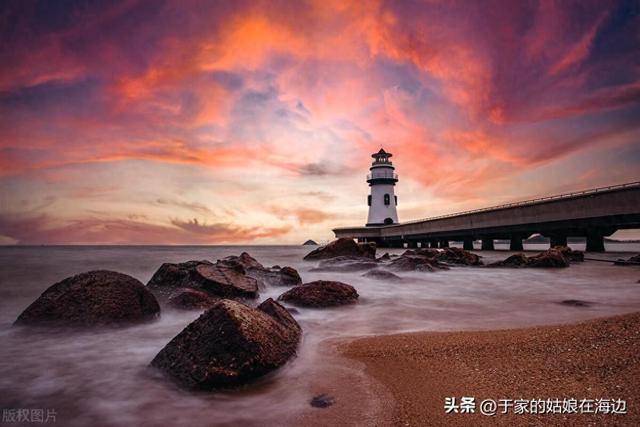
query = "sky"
{"x": 253, "y": 122}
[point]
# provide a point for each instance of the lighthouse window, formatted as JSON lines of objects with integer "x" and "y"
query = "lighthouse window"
{"x": 396, "y": 197}
{"x": 369, "y": 200}
{"x": 387, "y": 199}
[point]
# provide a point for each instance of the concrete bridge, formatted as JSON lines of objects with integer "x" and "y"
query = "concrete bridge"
{"x": 593, "y": 214}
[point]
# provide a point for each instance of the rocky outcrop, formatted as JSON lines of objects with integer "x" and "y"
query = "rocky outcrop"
{"x": 191, "y": 299}
{"x": 410, "y": 261}
{"x": 274, "y": 276}
{"x": 551, "y": 258}
{"x": 570, "y": 254}
{"x": 457, "y": 256}
{"x": 343, "y": 247}
{"x": 346, "y": 264}
{"x": 321, "y": 293}
{"x": 94, "y": 298}
{"x": 515, "y": 261}
{"x": 222, "y": 280}
{"x": 277, "y": 276}
{"x": 382, "y": 275}
{"x": 229, "y": 345}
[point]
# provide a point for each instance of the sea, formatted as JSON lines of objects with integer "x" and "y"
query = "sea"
{"x": 101, "y": 377}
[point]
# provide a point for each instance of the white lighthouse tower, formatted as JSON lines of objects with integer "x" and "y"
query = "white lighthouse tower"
{"x": 382, "y": 200}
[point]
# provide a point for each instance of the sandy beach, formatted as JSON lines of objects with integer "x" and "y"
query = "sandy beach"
{"x": 597, "y": 359}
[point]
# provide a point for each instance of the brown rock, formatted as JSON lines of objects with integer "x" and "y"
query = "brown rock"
{"x": 343, "y": 247}
{"x": 244, "y": 262}
{"x": 321, "y": 293}
{"x": 416, "y": 263}
{"x": 456, "y": 256}
{"x": 515, "y": 260}
{"x": 191, "y": 299}
{"x": 225, "y": 281}
{"x": 570, "y": 254}
{"x": 171, "y": 277}
{"x": 230, "y": 344}
{"x": 92, "y": 299}
{"x": 550, "y": 258}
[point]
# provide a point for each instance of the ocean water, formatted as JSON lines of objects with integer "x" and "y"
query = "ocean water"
{"x": 101, "y": 378}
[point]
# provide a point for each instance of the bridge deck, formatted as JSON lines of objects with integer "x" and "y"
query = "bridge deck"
{"x": 597, "y": 212}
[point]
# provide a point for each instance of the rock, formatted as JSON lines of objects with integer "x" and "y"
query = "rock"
{"x": 191, "y": 299}
{"x": 570, "y": 254}
{"x": 277, "y": 276}
{"x": 634, "y": 260}
{"x": 310, "y": 243}
{"x": 385, "y": 257}
{"x": 551, "y": 258}
{"x": 243, "y": 263}
{"x": 222, "y": 280}
{"x": 382, "y": 275}
{"x": 576, "y": 303}
{"x": 515, "y": 260}
{"x": 280, "y": 314}
{"x": 416, "y": 263}
{"x": 230, "y": 344}
{"x": 225, "y": 281}
{"x": 321, "y": 293}
{"x": 455, "y": 256}
{"x": 94, "y": 298}
{"x": 274, "y": 276}
{"x": 343, "y": 247}
{"x": 322, "y": 401}
{"x": 171, "y": 277}
{"x": 346, "y": 264}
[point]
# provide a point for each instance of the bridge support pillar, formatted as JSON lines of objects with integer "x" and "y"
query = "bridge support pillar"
{"x": 412, "y": 244}
{"x": 595, "y": 242}
{"x": 516, "y": 243}
{"x": 433, "y": 243}
{"x": 444, "y": 243}
{"x": 467, "y": 245}
{"x": 487, "y": 244}
{"x": 558, "y": 240}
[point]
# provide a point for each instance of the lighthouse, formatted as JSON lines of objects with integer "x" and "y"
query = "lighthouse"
{"x": 382, "y": 200}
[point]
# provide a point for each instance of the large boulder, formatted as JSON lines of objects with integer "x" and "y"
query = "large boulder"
{"x": 94, "y": 298}
{"x": 222, "y": 280}
{"x": 274, "y": 276}
{"x": 230, "y": 344}
{"x": 321, "y": 293}
{"x": 343, "y": 247}
{"x": 346, "y": 264}
{"x": 191, "y": 299}
{"x": 171, "y": 277}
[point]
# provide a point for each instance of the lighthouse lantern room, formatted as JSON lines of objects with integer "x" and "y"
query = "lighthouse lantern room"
{"x": 382, "y": 200}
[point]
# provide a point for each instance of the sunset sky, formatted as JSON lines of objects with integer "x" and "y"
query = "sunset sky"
{"x": 190, "y": 122}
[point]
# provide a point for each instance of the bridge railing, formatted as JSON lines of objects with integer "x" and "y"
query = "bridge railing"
{"x": 519, "y": 204}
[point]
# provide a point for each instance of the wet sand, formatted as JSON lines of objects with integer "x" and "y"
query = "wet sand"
{"x": 589, "y": 360}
